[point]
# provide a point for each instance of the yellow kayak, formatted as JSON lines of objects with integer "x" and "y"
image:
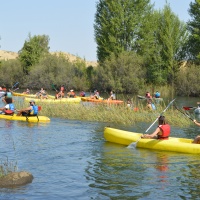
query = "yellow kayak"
{"x": 23, "y": 118}
{"x": 29, "y": 95}
{"x": 174, "y": 144}
{"x": 63, "y": 100}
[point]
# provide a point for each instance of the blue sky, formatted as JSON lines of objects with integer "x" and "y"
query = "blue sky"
{"x": 68, "y": 23}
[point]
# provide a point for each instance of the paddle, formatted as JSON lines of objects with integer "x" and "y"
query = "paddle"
{"x": 160, "y": 114}
{"x": 183, "y": 113}
{"x": 15, "y": 89}
{"x": 53, "y": 86}
{"x": 188, "y": 107}
{"x": 15, "y": 85}
{"x": 135, "y": 143}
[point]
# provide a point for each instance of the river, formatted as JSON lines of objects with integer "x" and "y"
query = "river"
{"x": 70, "y": 159}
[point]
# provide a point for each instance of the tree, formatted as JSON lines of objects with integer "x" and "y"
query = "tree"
{"x": 123, "y": 73}
{"x": 33, "y": 50}
{"x": 118, "y": 24}
{"x": 11, "y": 72}
{"x": 170, "y": 36}
{"x": 194, "y": 29}
{"x": 57, "y": 69}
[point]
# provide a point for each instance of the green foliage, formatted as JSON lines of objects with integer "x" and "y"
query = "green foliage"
{"x": 170, "y": 37}
{"x": 118, "y": 24}
{"x": 123, "y": 73}
{"x": 188, "y": 80}
{"x": 34, "y": 48}
{"x": 11, "y": 72}
{"x": 56, "y": 69}
{"x": 194, "y": 29}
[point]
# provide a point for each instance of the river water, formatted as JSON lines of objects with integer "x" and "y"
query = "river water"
{"x": 70, "y": 159}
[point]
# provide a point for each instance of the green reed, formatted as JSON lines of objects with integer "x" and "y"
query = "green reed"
{"x": 7, "y": 167}
{"x": 111, "y": 113}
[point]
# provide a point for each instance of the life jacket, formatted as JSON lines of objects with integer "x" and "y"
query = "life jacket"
{"x": 165, "y": 132}
{"x": 8, "y": 94}
{"x": 72, "y": 94}
{"x": 34, "y": 111}
{"x": 11, "y": 106}
{"x": 11, "y": 109}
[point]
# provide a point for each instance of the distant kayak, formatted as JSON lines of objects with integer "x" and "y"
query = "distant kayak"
{"x": 101, "y": 100}
{"x": 23, "y": 118}
{"x": 62, "y": 100}
{"x": 91, "y": 99}
{"x": 143, "y": 97}
{"x": 29, "y": 95}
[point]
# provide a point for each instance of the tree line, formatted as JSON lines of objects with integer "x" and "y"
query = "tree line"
{"x": 137, "y": 45}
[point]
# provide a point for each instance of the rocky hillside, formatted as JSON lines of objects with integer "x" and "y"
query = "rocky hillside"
{"x": 7, "y": 55}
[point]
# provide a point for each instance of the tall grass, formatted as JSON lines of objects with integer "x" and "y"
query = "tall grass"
{"x": 120, "y": 114}
{"x": 7, "y": 167}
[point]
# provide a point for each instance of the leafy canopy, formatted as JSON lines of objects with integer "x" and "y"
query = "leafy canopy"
{"x": 33, "y": 50}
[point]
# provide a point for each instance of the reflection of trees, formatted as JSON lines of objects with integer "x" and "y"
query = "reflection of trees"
{"x": 121, "y": 173}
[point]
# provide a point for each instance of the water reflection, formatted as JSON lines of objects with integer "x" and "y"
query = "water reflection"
{"x": 141, "y": 173}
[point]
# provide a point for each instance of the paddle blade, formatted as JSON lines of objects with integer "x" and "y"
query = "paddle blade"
{"x": 187, "y": 108}
{"x": 15, "y": 85}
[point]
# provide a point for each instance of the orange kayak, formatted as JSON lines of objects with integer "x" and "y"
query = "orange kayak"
{"x": 101, "y": 100}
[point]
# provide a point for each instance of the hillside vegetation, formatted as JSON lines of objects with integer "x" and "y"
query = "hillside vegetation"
{"x": 8, "y": 55}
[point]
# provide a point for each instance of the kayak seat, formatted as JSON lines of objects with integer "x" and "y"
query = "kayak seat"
{"x": 36, "y": 115}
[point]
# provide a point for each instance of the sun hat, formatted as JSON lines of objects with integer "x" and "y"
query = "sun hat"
{"x": 31, "y": 101}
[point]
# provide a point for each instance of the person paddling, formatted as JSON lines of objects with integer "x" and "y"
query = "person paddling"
{"x": 9, "y": 108}
{"x": 196, "y": 139}
{"x": 162, "y": 132}
{"x": 112, "y": 96}
{"x": 32, "y": 110}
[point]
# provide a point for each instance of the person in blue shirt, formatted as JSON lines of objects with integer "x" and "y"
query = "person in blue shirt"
{"x": 32, "y": 110}
{"x": 9, "y": 108}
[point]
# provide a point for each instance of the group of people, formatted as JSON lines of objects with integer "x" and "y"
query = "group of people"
{"x": 71, "y": 94}
{"x": 156, "y": 95}
{"x": 42, "y": 94}
{"x": 9, "y": 108}
{"x": 27, "y": 91}
{"x": 150, "y": 104}
{"x": 96, "y": 95}
{"x": 162, "y": 132}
